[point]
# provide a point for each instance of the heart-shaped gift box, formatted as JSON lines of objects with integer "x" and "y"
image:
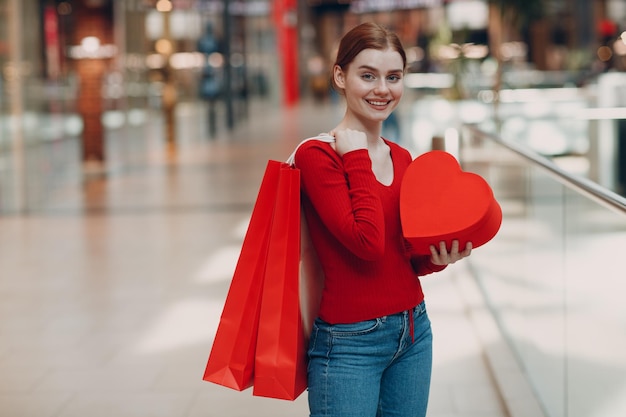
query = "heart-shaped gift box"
{"x": 439, "y": 201}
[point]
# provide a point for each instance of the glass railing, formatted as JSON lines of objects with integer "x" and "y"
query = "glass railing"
{"x": 554, "y": 276}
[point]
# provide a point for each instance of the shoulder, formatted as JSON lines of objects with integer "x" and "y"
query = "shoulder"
{"x": 314, "y": 151}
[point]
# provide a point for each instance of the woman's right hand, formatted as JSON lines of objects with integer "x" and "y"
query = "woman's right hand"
{"x": 347, "y": 140}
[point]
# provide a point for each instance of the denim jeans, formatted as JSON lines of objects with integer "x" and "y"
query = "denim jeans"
{"x": 373, "y": 368}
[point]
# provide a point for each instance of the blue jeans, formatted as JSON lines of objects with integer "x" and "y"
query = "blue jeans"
{"x": 373, "y": 368}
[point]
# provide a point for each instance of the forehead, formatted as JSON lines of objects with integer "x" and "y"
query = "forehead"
{"x": 382, "y": 60}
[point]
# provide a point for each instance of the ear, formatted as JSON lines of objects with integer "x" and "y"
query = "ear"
{"x": 339, "y": 77}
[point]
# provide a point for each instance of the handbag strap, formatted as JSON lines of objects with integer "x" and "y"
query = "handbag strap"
{"x": 323, "y": 137}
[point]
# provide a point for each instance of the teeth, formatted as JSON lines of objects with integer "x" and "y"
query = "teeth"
{"x": 378, "y": 103}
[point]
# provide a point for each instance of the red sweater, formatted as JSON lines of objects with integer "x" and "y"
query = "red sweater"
{"x": 354, "y": 222}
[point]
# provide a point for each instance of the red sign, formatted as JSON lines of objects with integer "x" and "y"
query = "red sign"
{"x": 285, "y": 19}
{"x": 51, "y": 40}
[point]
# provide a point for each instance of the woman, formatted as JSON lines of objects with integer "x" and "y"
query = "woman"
{"x": 370, "y": 352}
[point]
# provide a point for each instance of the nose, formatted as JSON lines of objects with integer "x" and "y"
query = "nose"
{"x": 381, "y": 87}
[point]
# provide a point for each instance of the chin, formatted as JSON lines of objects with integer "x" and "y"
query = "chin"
{"x": 383, "y": 117}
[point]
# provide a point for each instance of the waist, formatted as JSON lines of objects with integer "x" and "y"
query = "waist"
{"x": 361, "y": 310}
{"x": 418, "y": 309}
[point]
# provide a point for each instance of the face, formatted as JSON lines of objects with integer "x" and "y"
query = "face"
{"x": 372, "y": 84}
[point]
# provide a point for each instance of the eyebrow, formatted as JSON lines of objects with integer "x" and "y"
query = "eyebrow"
{"x": 367, "y": 67}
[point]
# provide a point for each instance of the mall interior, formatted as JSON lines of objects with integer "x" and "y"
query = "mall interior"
{"x": 133, "y": 139}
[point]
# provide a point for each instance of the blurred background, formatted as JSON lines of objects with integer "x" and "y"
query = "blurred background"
{"x": 165, "y": 111}
{"x": 78, "y": 69}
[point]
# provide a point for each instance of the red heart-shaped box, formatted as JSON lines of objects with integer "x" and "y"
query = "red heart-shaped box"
{"x": 439, "y": 201}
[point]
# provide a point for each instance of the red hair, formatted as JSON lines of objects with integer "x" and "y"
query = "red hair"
{"x": 367, "y": 35}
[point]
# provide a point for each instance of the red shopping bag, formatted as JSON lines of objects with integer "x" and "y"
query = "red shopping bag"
{"x": 311, "y": 273}
{"x": 274, "y": 295}
{"x": 280, "y": 365}
{"x": 231, "y": 361}
{"x": 311, "y": 279}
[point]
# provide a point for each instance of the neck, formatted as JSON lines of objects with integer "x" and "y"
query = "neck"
{"x": 371, "y": 129}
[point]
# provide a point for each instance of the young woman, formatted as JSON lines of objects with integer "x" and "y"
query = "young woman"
{"x": 370, "y": 351}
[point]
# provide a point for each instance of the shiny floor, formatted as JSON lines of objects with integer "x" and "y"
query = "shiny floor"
{"x": 111, "y": 291}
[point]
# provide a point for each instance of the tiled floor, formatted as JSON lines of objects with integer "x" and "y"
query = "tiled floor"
{"x": 111, "y": 293}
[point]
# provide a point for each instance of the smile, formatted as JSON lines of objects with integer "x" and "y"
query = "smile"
{"x": 378, "y": 103}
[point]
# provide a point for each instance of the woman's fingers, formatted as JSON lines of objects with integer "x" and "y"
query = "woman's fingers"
{"x": 443, "y": 257}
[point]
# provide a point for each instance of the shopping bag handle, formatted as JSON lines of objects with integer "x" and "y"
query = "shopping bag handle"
{"x": 324, "y": 137}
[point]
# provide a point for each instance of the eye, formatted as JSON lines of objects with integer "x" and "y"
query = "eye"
{"x": 368, "y": 76}
{"x": 394, "y": 78}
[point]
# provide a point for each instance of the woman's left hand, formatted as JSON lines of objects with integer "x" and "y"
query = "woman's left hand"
{"x": 443, "y": 257}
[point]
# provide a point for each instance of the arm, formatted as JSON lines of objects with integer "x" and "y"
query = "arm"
{"x": 339, "y": 188}
{"x": 439, "y": 259}
{"x": 423, "y": 266}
